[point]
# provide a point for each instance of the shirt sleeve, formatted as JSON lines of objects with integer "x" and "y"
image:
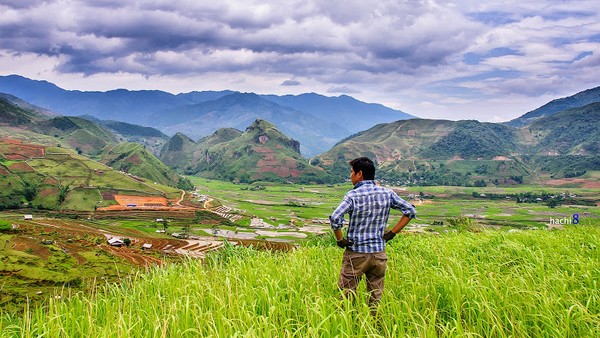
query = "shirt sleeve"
{"x": 337, "y": 218}
{"x": 404, "y": 207}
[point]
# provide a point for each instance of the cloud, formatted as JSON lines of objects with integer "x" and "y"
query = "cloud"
{"x": 290, "y": 83}
{"x": 343, "y": 89}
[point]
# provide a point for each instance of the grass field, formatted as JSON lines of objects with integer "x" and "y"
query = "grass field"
{"x": 490, "y": 284}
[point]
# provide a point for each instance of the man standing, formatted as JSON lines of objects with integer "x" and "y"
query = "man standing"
{"x": 368, "y": 206}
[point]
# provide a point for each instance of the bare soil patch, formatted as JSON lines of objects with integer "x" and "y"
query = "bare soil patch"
{"x": 582, "y": 182}
{"x": 22, "y": 167}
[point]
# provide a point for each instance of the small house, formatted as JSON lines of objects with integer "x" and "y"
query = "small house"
{"x": 28, "y": 217}
{"x": 146, "y": 246}
{"x": 116, "y": 242}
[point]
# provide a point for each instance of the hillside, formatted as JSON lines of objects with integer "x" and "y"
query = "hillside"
{"x": 261, "y": 152}
{"x": 55, "y": 178}
{"x": 151, "y": 138}
{"x": 135, "y": 159}
{"x": 578, "y": 100}
{"x": 182, "y": 153}
{"x": 13, "y": 114}
{"x": 571, "y": 132}
{"x": 88, "y": 138}
{"x": 438, "y": 152}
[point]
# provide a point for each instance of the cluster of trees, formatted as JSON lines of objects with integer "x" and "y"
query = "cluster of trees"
{"x": 551, "y": 200}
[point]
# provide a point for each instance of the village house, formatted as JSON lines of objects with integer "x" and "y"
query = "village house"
{"x": 115, "y": 242}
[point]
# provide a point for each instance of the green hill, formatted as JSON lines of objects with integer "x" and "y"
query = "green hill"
{"x": 55, "y": 178}
{"x": 134, "y": 159}
{"x": 261, "y": 152}
{"x": 571, "y": 132}
{"x": 431, "y": 152}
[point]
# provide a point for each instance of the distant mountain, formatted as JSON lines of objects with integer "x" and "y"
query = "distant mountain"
{"x": 119, "y": 105}
{"x": 261, "y": 152}
{"x": 149, "y": 137}
{"x": 578, "y": 100}
{"x": 239, "y": 110}
{"x": 316, "y": 121}
{"x": 345, "y": 111}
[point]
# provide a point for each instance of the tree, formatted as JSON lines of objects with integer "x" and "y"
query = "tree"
{"x": 29, "y": 191}
{"x": 127, "y": 241}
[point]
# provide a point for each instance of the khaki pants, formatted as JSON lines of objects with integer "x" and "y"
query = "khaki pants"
{"x": 357, "y": 264}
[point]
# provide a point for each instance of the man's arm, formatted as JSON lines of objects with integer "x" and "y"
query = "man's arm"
{"x": 338, "y": 234}
{"x": 390, "y": 234}
{"x": 337, "y": 221}
{"x": 401, "y": 224}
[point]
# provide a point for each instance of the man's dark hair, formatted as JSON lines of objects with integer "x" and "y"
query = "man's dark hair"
{"x": 365, "y": 165}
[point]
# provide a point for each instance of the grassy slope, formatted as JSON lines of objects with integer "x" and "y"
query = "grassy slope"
{"x": 135, "y": 159}
{"x": 63, "y": 167}
{"x": 487, "y": 284}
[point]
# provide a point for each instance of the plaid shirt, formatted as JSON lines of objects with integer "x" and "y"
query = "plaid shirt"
{"x": 369, "y": 208}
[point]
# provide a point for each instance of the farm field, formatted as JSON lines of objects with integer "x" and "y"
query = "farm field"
{"x": 310, "y": 204}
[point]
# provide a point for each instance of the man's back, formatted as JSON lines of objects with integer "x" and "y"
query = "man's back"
{"x": 369, "y": 207}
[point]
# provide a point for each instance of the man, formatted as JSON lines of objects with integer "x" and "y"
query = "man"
{"x": 368, "y": 206}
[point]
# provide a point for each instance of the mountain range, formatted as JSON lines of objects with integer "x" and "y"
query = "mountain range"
{"x": 554, "y": 143}
{"x": 317, "y": 121}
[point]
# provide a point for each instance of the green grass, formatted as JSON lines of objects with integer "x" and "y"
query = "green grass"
{"x": 82, "y": 199}
{"x": 490, "y": 284}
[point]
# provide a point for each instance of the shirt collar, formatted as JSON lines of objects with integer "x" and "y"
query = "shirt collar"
{"x": 364, "y": 182}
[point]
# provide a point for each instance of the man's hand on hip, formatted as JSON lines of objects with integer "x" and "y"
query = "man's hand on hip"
{"x": 388, "y": 236}
{"x": 343, "y": 243}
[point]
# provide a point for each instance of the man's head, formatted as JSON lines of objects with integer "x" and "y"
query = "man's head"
{"x": 362, "y": 169}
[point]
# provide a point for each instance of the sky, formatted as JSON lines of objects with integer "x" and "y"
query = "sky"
{"x": 463, "y": 59}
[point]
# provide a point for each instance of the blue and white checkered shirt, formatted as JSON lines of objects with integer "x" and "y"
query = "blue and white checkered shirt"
{"x": 369, "y": 208}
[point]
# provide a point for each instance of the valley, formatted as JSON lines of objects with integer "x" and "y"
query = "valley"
{"x": 58, "y": 249}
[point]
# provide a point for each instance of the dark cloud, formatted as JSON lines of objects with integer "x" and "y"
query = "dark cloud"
{"x": 290, "y": 83}
{"x": 110, "y": 34}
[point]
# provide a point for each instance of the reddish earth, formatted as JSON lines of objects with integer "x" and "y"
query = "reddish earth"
{"x": 15, "y": 157}
{"x": 22, "y": 167}
{"x": 74, "y": 238}
{"x": 4, "y": 171}
{"x": 15, "y": 150}
{"x": 31, "y": 246}
{"x": 140, "y": 200}
{"x": 584, "y": 183}
{"x": 51, "y": 181}
{"x": 269, "y": 164}
{"x": 48, "y": 192}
